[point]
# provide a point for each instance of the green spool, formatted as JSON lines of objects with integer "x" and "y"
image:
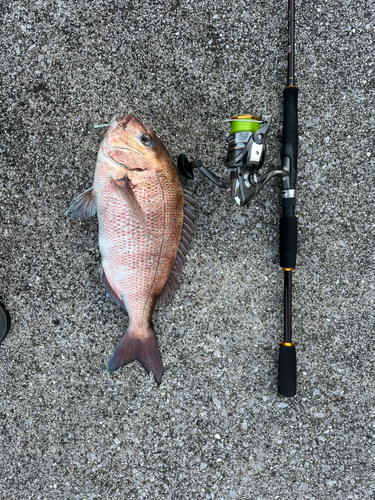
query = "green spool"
{"x": 248, "y": 123}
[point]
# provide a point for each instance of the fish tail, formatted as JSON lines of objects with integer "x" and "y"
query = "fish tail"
{"x": 144, "y": 348}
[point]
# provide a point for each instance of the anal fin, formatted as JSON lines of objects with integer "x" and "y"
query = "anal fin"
{"x": 111, "y": 292}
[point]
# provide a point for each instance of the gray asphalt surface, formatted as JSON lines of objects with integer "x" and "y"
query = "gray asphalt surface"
{"x": 216, "y": 428}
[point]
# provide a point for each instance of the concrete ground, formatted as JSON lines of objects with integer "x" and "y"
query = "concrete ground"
{"x": 216, "y": 428}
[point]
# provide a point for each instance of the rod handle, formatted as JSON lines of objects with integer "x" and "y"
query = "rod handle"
{"x": 287, "y": 371}
{"x": 290, "y": 131}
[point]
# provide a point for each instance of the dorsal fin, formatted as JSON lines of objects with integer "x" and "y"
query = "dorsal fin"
{"x": 188, "y": 227}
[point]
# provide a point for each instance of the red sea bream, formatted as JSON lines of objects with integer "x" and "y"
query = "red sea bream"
{"x": 146, "y": 222}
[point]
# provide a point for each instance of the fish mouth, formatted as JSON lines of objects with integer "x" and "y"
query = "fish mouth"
{"x": 123, "y": 122}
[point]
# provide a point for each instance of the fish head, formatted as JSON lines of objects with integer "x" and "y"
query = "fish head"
{"x": 133, "y": 146}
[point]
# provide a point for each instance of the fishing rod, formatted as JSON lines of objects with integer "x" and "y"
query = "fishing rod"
{"x": 245, "y": 157}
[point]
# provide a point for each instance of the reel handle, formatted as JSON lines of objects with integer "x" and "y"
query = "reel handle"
{"x": 185, "y": 167}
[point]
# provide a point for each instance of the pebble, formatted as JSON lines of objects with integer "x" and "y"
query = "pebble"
{"x": 319, "y": 415}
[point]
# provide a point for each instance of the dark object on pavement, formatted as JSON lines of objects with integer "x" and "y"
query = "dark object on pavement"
{"x": 4, "y": 322}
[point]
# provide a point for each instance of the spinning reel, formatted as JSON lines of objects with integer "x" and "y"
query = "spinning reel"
{"x": 245, "y": 157}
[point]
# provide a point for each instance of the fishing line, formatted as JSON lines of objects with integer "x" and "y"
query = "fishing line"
{"x": 102, "y": 125}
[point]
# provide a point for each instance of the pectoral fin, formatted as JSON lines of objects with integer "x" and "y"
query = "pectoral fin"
{"x": 83, "y": 205}
{"x": 124, "y": 190}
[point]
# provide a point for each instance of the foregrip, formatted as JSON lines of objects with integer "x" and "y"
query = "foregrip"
{"x": 288, "y": 235}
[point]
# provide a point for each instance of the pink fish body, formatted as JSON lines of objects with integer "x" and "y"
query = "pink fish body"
{"x": 145, "y": 227}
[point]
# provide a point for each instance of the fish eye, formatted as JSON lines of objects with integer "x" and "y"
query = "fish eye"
{"x": 146, "y": 140}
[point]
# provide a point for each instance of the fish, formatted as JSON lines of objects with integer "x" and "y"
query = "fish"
{"x": 146, "y": 223}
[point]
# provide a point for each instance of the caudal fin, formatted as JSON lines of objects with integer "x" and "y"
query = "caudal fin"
{"x": 144, "y": 349}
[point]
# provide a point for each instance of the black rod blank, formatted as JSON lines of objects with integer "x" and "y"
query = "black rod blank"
{"x": 291, "y": 44}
